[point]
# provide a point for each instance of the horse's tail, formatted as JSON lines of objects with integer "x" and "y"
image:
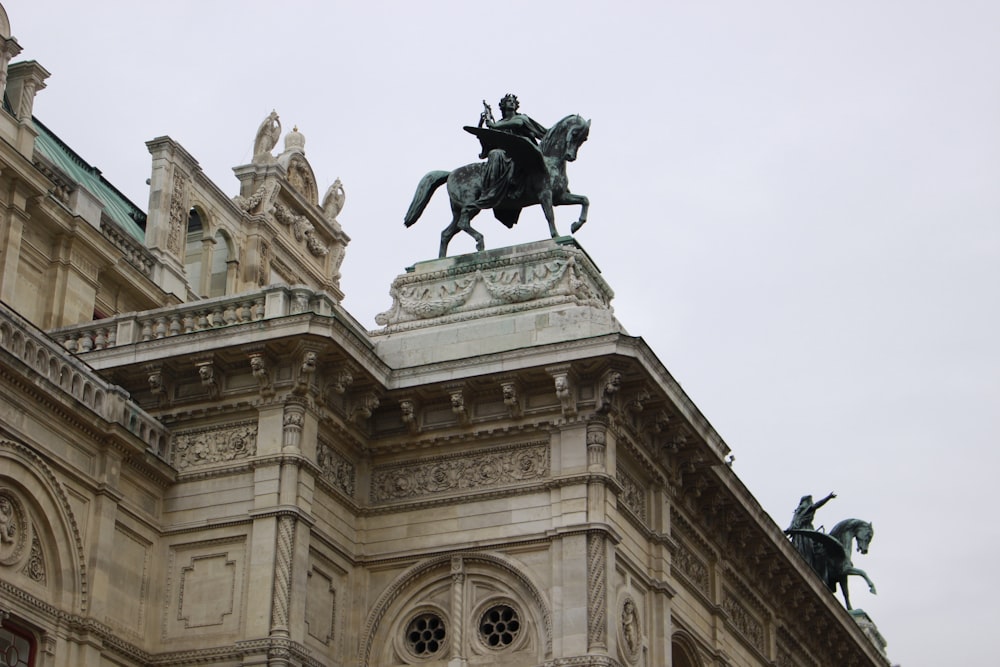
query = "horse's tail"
{"x": 428, "y": 184}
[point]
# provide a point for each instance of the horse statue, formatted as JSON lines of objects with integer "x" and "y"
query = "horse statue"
{"x": 537, "y": 175}
{"x": 833, "y": 553}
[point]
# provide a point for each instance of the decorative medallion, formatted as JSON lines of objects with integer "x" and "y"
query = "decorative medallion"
{"x": 14, "y": 529}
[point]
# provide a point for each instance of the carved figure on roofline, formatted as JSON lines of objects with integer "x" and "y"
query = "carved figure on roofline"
{"x": 333, "y": 200}
{"x": 517, "y": 173}
{"x": 267, "y": 136}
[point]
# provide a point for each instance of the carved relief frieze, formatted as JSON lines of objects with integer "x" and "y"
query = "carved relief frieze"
{"x": 744, "y": 622}
{"x": 335, "y": 470}
{"x": 485, "y": 469}
{"x": 633, "y": 494}
{"x": 496, "y": 285}
{"x": 692, "y": 567}
{"x": 522, "y": 283}
{"x": 215, "y": 444}
{"x": 425, "y": 301}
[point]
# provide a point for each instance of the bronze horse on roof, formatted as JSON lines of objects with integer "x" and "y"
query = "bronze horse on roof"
{"x": 537, "y": 175}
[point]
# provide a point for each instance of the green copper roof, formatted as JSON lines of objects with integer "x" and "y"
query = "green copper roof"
{"x": 117, "y": 207}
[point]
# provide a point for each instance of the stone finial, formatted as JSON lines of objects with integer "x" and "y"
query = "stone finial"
{"x": 295, "y": 141}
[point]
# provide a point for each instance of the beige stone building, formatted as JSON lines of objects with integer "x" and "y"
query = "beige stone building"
{"x": 204, "y": 459}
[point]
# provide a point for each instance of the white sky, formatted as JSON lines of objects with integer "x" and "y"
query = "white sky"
{"x": 796, "y": 203}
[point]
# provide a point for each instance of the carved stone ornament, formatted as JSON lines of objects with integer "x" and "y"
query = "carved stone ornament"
{"x": 267, "y": 138}
{"x": 743, "y": 621}
{"x": 335, "y": 470}
{"x": 14, "y": 529}
{"x": 301, "y": 229}
{"x": 509, "y": 390}
{"x": 461, "y": 473}
{"x": 206, "y": 373}
{"x": 333, "y": 200}
{"x": 408, "y": 414}
{"x": 564, "y": 389}
{"x": 258, "y": 367}
{"x": 365, "y": 406}
{"x": 543, "y": 274}
{"x": 215, "y": 445}
{"x": 630, "y": 630}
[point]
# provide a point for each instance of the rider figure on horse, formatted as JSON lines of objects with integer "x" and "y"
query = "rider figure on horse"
{"x": 501, "y": 179}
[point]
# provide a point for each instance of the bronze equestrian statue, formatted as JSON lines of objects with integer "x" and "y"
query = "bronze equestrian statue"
{"x": 516, "y": 173}
{"x": 830, "y": 555}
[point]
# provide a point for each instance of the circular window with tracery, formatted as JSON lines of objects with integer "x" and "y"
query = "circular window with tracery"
{"x": 499, "y": 626}
{"x": 425, "y": 635}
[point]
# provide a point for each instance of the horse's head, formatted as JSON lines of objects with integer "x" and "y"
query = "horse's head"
{"x": 565, "y": 137}
{"x": 864, "y": 536}
{"x": 857, "y": 529}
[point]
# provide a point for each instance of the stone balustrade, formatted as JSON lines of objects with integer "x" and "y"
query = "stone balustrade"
{"x": 129, "y": 328}
{"x": 47, "y": 359}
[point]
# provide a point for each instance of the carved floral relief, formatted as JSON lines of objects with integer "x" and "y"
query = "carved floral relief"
{"x": 214, "y": 445}
{"x": 485, "y": 470}
{"x": 336, "y": 471}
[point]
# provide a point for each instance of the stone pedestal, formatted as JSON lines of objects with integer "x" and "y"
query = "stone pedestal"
{"x": 868, "y": 627}
{"x": 495, "y": 301}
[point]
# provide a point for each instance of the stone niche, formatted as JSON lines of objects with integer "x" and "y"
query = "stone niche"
{"x": 493, "y": 301}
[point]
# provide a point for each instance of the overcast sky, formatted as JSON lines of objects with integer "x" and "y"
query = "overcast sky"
{"x": 796, "y": 204}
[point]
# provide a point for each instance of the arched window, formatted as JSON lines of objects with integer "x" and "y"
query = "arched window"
{"x": 221, "y": 256}
{"x": 194, "y": 252}
{"x": 17, "y": 646}
{"x": 682, "y": 654}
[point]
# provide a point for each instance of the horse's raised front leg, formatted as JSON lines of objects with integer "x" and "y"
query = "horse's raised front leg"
{"x": 570, "y": 198}
{"x": 863, "y": 575}
{"x": 545, "y": 199}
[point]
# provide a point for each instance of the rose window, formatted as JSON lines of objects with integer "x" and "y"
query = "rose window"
{"x": 499, "y": 626}
{"x": 425, "y": 635}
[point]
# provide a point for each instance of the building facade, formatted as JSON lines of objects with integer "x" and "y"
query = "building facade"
{"x": 204, "y": 459}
